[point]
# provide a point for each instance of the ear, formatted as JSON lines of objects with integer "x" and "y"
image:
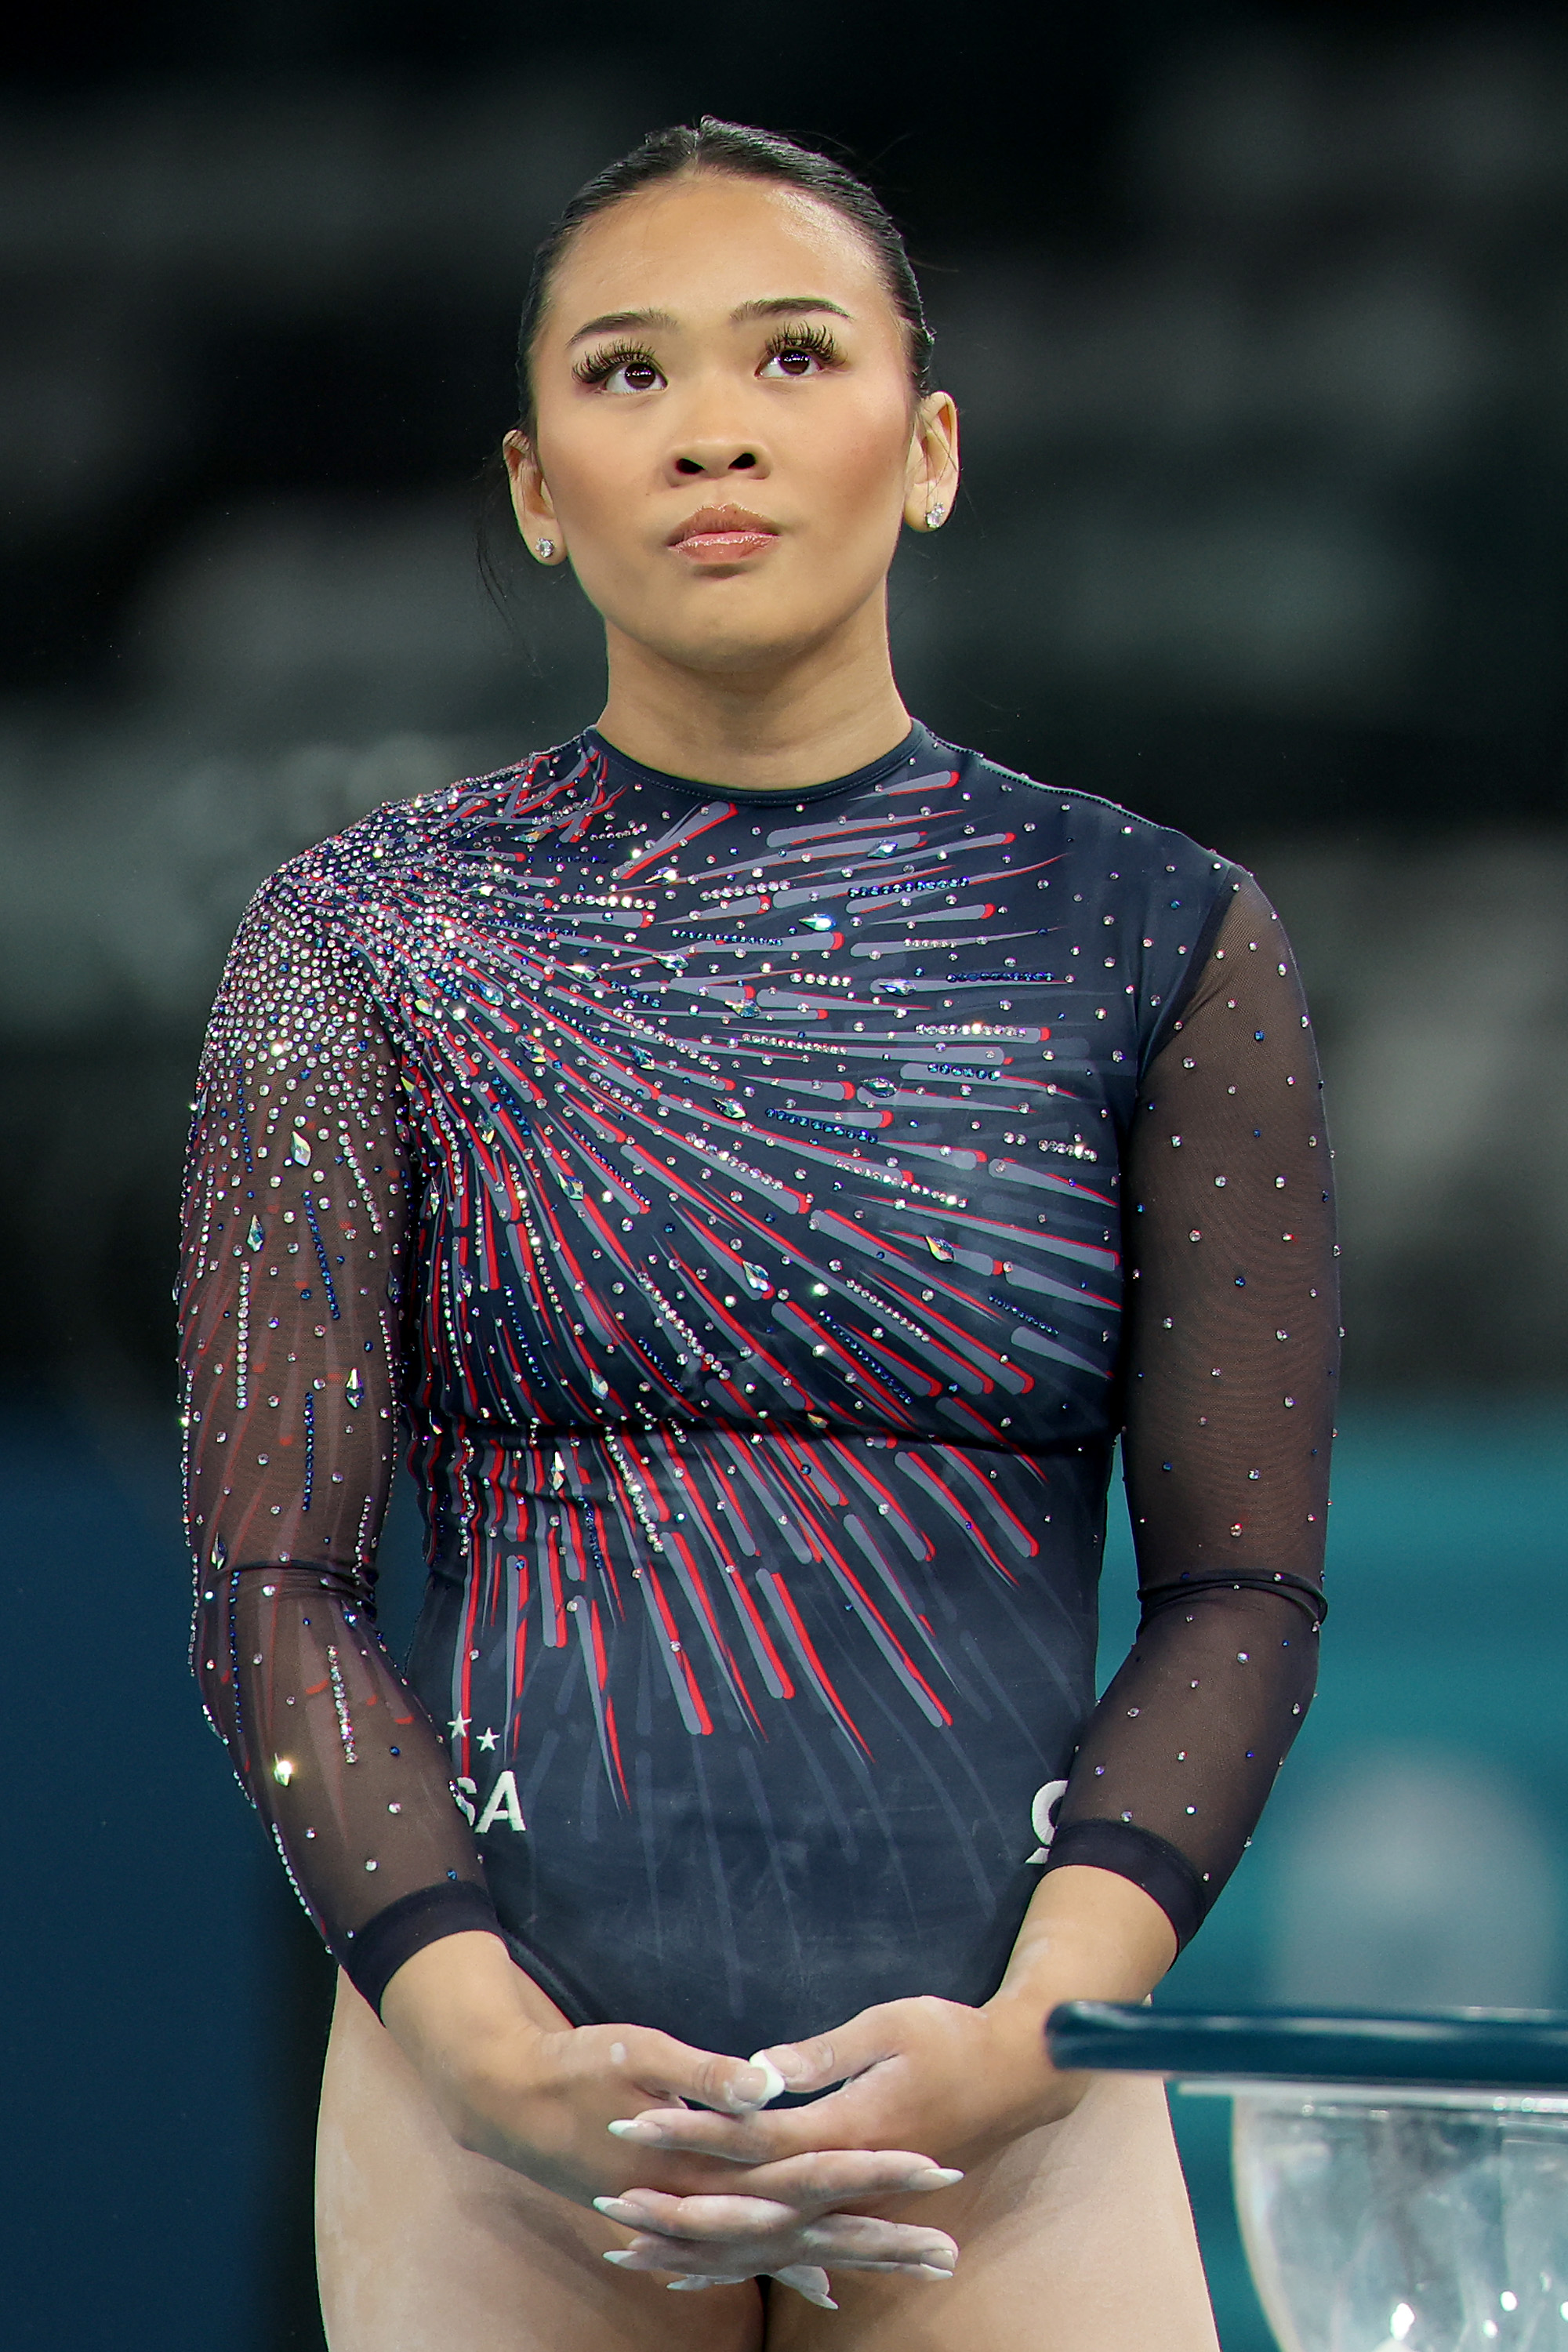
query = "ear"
{"x": 530, "y": 501}
{"x": 931, "y": 475}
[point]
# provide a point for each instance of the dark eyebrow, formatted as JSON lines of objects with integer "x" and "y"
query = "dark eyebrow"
{"x": 774, "y": 306}
{"x": 614, "y": 321}
{"x": 787, "y": 306}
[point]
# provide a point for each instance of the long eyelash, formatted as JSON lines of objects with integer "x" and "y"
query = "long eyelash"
{"x": 596, "y": 367}
{"x": 803, "y": 339}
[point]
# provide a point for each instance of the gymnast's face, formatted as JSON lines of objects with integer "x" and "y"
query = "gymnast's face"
{"x": 727, "y": 440}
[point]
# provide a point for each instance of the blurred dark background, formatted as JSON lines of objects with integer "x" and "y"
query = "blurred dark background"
{"x": 1258, "y": 322}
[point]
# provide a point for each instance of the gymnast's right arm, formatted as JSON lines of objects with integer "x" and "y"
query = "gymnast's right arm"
{"x": 296, "y": 1243}
{"x": 295, "y": 1276}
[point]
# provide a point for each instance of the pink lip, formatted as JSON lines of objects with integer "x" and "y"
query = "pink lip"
{"x": 722, "y": 534}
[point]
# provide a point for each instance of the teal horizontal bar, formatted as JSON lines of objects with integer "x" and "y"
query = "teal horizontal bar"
{"x": 1479, "y": 2049}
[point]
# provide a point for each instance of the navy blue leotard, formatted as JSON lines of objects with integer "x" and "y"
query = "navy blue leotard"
{"x": 761, "y": 1212}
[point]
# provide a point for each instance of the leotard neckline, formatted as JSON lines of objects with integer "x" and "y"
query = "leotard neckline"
{"x": 917, "y": 744}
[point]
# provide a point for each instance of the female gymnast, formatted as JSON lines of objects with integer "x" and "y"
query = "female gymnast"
{"x": 762, "y": 1156}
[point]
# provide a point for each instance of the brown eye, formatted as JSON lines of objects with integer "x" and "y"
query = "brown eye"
{"x": 619, "y": 370}
{"x": 801, "y": 354}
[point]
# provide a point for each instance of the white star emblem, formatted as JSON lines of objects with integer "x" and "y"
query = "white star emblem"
{"x": 487, "y": 1739}
{"x": 457, "y": 1725}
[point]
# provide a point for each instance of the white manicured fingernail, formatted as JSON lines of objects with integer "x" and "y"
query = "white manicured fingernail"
{"x": 689, "y": 2285}
{"x": 803, "y": 2277}
{"x": 933, "y": 2176}
{"x": 775, "y": 2081}
{"x": 934, "y": 2270}
{"x": 628, "y": 2127}
{"x": 614, "y": 2205}
{"x": 619, "y": 2254}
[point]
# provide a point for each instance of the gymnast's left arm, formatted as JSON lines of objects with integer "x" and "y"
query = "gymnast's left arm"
{"x": 1229, "y": 1369}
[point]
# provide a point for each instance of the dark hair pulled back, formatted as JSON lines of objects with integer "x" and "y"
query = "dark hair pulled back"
{"x": 743, "y": 154}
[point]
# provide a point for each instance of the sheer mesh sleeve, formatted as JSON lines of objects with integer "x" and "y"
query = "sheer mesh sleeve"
{"x": 296, "y": 1232}
{"x": 1231, "y": 1365}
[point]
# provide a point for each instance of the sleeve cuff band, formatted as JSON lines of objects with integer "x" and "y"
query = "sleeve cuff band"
{"x": 372, "y": 1957}
{"x": 1149, "y": 1859}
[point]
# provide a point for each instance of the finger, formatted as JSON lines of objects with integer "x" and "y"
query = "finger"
{"x": 803, "y": 2277}
{"x": 681, "y": 2232}
{"x": 859, "y": 2242}
{"x": 699, "y": 2219}
{"x": 772, "y": 2258}
{"x": 764, "y": 2142}
{"x": 806, "y": 2280}
{"x": 775, "y": 2081}
{"x": 897, "y": 2270}
{"x": 663, "y": 2067}
{"x": 833, "y": 2057}
{"x": 737, "y": 2139}
{"x": 864, "y": 2112}
{"x": 750, "y": 2139}
{"x": 697, "y": 2265}
{"x": 650, "y": 2256}
{"x": 823, "y": 2178}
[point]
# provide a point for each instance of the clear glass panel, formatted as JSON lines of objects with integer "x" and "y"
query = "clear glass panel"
{"x": 1406, "y": 2227}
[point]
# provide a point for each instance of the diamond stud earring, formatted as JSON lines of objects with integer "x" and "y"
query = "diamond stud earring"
{"x": 546, "y": 549}
{"x": 934, "y": 515}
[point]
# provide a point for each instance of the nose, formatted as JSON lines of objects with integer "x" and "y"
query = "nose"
{"x": 717, "y": 457}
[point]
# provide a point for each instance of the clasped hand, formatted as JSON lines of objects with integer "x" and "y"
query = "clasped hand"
{"x": 678, "y": 2145}
{"x": 927, "y": 2072}
{"x": 597, "y": 2112}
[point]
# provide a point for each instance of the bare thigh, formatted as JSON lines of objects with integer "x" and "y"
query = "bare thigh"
{"x": 423, "y": 2247}
{"x": 1079, "y": 2238}
{"x": 1076, "y": 2239}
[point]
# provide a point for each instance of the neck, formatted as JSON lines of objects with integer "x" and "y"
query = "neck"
{"x": 819, "y": 714}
